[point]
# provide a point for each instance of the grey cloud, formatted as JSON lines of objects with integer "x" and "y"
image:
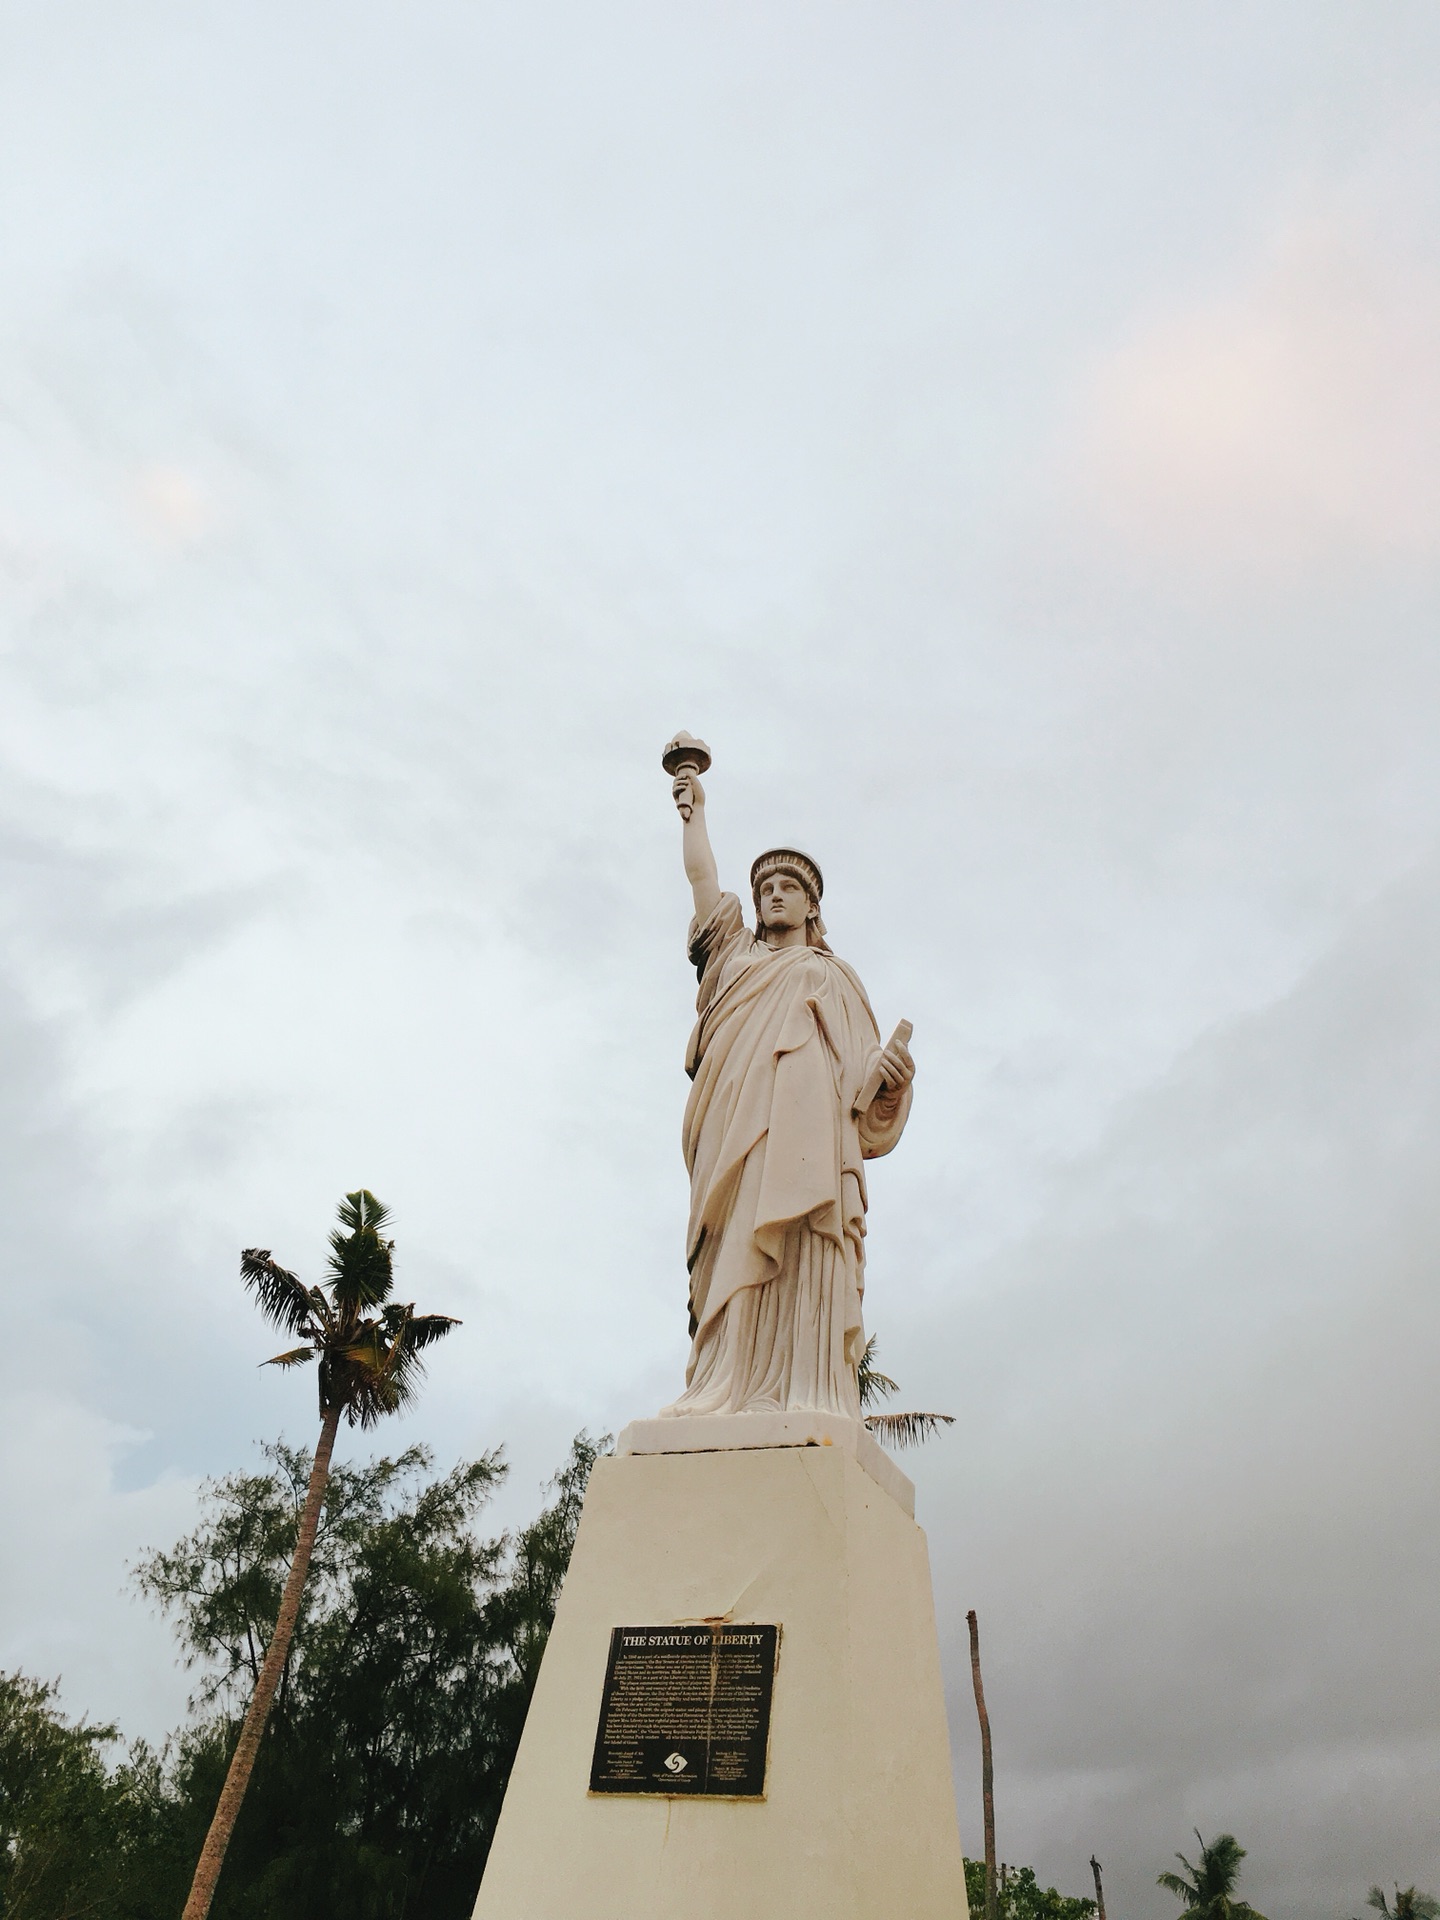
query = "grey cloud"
{"x": 409, "y": 420}
{"x": 1198, "y": 1507}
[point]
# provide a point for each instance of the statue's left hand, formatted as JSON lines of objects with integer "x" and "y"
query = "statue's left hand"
{"x": 897, "y": 1065}
{"x": 882, "y": 1114}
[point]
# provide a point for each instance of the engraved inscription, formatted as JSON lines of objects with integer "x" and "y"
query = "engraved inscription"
{"x": 686, "y": 1710}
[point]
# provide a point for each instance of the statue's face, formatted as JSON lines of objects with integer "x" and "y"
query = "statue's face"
{"x": 784, "y": 902}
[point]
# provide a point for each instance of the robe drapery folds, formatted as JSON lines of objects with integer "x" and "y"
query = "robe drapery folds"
{"x": 783, "y": 1044}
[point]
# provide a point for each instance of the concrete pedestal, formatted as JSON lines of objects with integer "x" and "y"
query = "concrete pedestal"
{"x": 858, "y": 1822}
{"x": 721, "y": 1432}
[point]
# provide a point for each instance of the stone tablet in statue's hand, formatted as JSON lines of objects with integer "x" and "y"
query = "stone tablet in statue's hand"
{"x": 891, "y": 1071}
{"x": 897, "y": 1065}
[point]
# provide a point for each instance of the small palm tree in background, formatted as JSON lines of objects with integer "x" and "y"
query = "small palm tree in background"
{"x": 368, "y": 1351}
{"x": 1205, "y": 1889}
{"x": 899, "y": 1429}
{"x": 1409, "y": 1905}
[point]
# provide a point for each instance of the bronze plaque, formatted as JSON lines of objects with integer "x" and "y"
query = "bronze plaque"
{"x": 686, "y": 1710}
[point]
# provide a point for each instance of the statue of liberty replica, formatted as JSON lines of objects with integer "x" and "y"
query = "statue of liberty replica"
{"x": 792, "y": 1092}
{"x": 673, "y": 1765}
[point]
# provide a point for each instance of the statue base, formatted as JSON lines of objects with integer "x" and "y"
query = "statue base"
{"x": 724, "y": 1432}
{"x": 857, "y": 1818}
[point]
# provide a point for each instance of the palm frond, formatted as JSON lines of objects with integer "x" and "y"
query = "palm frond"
{"x": 874, "y": 1385}
{"x": 323, "y": 1313}
{"x": 361, "y": 1263}
{"x": 368, "y": 1346}
{"x": 361, "y": 1212}
{"x": 907, "y": 1429}
{"x": 1172, "y": 1883}
{"x": 1220, "y": 1862}
{"x": 368, "y": 1351}
{"x": 278, "y": 1294}
{"x": 374, "y": 1395}
{"x": 425, "y": 1329}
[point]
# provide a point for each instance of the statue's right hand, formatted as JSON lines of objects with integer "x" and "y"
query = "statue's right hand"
{"x": 688, "y": 792}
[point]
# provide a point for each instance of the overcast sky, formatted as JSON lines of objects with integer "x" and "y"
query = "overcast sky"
{"x": 1011, "y": 436}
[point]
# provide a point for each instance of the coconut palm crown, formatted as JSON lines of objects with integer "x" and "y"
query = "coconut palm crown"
{"x": 1409, "y": 1905}
{"x": 1205, "y": 1889}
{"x": 367, "y": 1346}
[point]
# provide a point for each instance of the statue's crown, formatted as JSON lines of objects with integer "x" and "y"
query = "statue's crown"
{"x": 787, "y": 860}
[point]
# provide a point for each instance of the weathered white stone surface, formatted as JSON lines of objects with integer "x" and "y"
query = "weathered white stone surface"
{"x": 792, "y": 1093}
{"x": 859, "y": 1818}
{"x": 722, "y": 1432}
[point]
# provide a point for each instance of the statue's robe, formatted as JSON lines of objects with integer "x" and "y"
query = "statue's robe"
{"x": 783, "y": 1044}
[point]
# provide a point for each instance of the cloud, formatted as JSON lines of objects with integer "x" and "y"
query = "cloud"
{"x": 1009, "y": 440}
{"x": 1290, "y": 422}
{"x": 173, "y": 505}
{"x": 78, "y": 1535}
{"x": 1196, "y": 1506}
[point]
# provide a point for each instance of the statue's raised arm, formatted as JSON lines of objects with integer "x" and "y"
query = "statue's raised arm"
{"x": 793, "y": 1091}
{"x": 687, "y": 759}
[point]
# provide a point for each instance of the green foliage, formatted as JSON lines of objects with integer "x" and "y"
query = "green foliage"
{"x": 1021, "y": 1897}
{"x": 360, "y": 1261}
{"x": 385, "y": 1759}
{"x": 874, "y": 1385}
{"x": 1205, "y": 1889}
{"x": 368, "y": 1347}
{"x": 78, "y": 1840}
{"x": 57, "y": 1817}
{"x": 524, "y": 1609}
{"x": 1409, "y": 1905}
{"x": 222, "y": 1583}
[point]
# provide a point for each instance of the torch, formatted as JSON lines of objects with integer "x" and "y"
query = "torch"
{"x": 685, "y": 754}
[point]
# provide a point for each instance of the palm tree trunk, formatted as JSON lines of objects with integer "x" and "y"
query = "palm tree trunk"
{"x": 242, "y": 1764}
{"x": 987, "y": 1769}
{"x": 1099, "y": 1890}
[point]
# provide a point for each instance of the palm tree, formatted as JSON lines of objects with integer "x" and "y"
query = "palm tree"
{"x": 1409, "y": 1905}
{"x": 1205, "y": 1889}
{"x": 900, "y": 1429}
{"x": 369, "y": 1354}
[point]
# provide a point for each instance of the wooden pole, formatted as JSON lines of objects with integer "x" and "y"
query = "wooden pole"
{"x": 1099, "y": 1890}
{"x": 987, "y": 1769}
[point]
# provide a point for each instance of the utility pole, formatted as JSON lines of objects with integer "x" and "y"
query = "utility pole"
{"x": 987, "y": 1770}
{"x": 1099, "y": 1890}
